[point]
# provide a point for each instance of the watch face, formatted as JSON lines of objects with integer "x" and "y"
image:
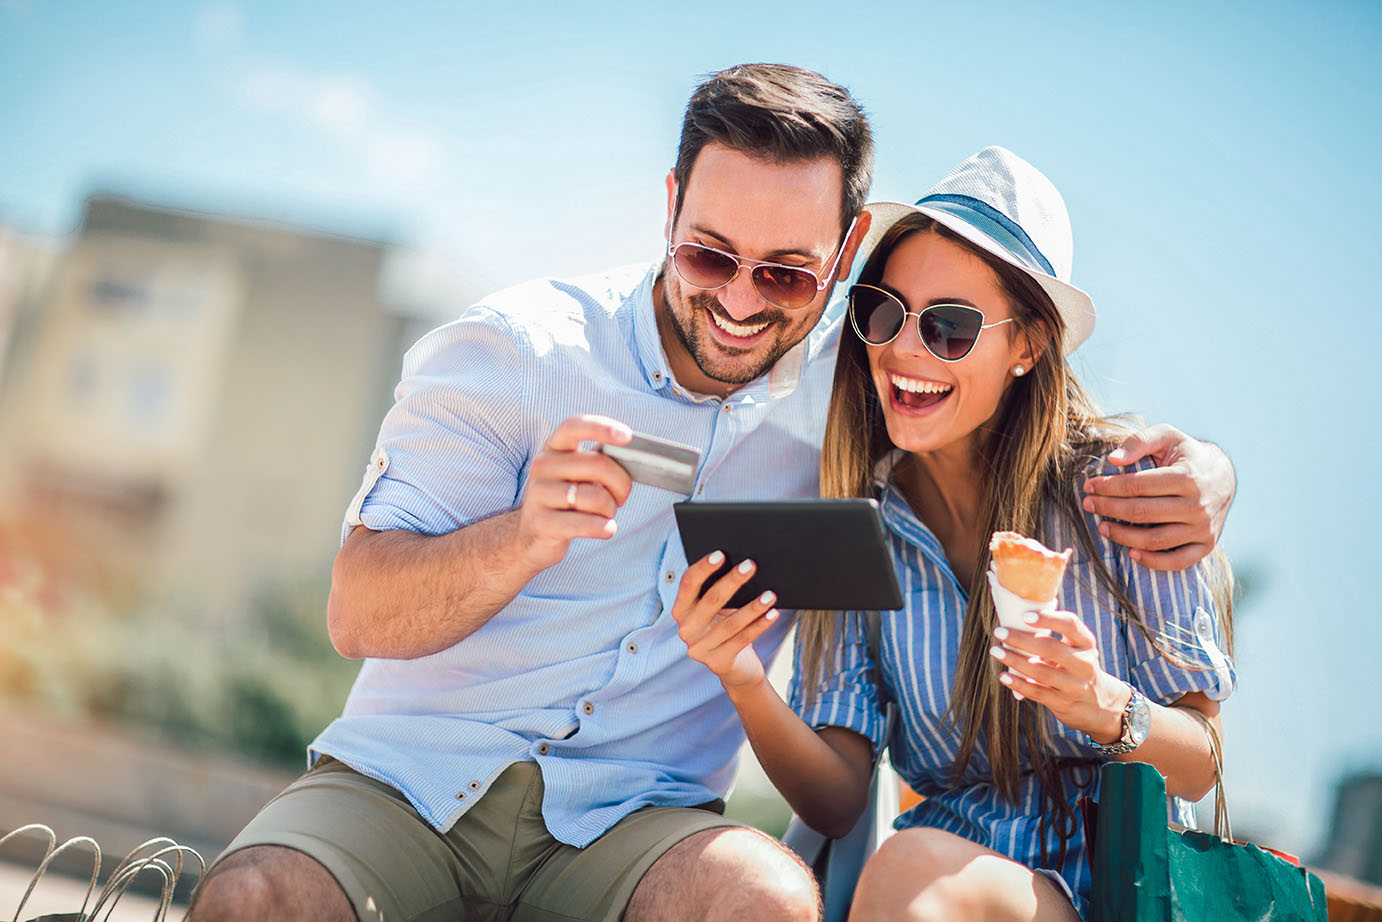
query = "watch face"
{"x": 1140, "y": 720}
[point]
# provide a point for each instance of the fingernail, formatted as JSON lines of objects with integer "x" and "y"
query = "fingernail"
{"x": 1135, "y": 554}
{"x": 1088, "y": 504}
{"x": 1030, "y": 617}
{"x": 716, "y": 558}
{"x": 767, "y": 598}
{"x": 1001, "y": 633}
{"x": 1103, "y": 529}
{"x": 1005, "y": 678}
{"x": 611, "y": 526}
{"x": 1016, "y": 695}
{"x": 772, "y": 615}
{"x": 746, "y": 566}
{"x": 996, "y": 652}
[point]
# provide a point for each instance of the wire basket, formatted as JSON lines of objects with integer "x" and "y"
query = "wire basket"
{"x": 161, "y": 857}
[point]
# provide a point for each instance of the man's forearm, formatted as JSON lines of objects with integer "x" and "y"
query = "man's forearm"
{"x": 401, "y": 595}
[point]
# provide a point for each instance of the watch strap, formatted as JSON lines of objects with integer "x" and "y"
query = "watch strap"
{"x": 1125, "y": 743}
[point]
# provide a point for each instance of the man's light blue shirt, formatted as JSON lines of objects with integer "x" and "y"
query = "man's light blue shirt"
{"x": 583, "y": 672}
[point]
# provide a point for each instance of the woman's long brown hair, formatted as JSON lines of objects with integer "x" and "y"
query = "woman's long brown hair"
{"x": 1046, "y": 436}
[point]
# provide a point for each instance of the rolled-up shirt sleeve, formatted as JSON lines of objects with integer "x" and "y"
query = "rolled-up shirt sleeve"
{"x": 452, "y": 449}
{"x": 848, "y": 695}
{"x": 1181, "y": 615}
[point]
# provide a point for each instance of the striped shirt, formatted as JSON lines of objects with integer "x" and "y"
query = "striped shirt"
{"x": 583, "y": 672}
{"x": 919, "y": 647}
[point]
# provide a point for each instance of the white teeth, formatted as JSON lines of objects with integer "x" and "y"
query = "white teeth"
{"x": 919, "y": 387}
{"x": 734, "y": 329}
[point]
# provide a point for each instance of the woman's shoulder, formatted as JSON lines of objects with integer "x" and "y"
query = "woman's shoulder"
{"x": 1065, "y": 513}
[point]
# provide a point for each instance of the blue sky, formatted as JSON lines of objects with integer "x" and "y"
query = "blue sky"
{"x": 1218, "y": 164}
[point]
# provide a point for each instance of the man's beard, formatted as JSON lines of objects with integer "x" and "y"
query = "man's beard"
{"x": 713, "y": 361}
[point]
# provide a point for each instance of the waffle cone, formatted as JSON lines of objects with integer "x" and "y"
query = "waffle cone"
{"x": 1026, "y": 567}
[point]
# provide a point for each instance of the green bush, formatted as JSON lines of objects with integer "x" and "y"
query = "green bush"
{"x": 263, "y": 684}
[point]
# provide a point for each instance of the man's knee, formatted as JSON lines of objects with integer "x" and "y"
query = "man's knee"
{"x": 732, "y": 873}
{"x": 269, "y": 882}
{"x": 773, "y": 875}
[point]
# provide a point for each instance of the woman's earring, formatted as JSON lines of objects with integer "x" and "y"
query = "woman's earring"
{"x": 1018, "y": 371}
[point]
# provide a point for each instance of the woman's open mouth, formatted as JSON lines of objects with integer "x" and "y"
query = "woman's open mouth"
{"x": 916, "y": 394}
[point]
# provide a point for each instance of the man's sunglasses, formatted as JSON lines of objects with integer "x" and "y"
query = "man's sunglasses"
{"x": 948, "y": 331}
{"x": 790, "y": 287}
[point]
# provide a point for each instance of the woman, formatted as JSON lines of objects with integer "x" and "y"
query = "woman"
{"x": 954, "y": 406}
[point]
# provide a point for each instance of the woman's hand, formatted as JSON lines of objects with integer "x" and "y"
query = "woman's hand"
{"x": 1063, "y": 673}
{"x": 717, "y": 636}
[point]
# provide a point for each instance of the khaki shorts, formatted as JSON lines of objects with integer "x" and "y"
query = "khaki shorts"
{"x": 497, "y": 862}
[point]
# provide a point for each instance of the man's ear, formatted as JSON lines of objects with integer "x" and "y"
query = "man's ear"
{"x": 856, "y": 237}
{"x": 671, "y": 203}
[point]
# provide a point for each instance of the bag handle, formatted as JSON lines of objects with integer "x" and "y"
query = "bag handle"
{"x": 1222, "y": 828}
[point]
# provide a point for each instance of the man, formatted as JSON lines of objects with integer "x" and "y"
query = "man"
{"x": 527, "y": 738}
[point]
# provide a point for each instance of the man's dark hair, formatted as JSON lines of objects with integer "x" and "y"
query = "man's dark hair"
{"x": 784, "y": 114}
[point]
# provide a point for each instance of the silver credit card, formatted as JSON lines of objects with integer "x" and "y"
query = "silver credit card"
{"x": 658, "y": 462}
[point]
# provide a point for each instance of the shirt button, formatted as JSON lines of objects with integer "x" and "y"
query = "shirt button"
{"x": 671, "y": 576}
{"x": 543, "y": 749}
{"x": 631, "y": 647}
{"x": 588, "y": 708}
{"x": 461, "y": 796}
{"x": 700, "y": 489}
{"x": 725, "y": 408}
{"x": 474, "y": 785}
{"x": 657, "y": 376}
{"x": 1202, "y": 624}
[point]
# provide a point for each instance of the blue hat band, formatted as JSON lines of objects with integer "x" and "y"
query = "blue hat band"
{"x": 984, "y": 217}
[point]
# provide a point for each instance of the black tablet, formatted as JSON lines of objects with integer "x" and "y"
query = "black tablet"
{"x": 819, "y": 553}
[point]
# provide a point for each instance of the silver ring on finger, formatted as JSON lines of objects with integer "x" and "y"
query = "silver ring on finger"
{"x": 571, "y": 496}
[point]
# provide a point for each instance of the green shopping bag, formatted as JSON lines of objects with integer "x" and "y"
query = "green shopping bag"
{"x": 1146, "y": 871}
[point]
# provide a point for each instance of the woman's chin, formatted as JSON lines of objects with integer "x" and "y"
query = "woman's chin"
{"x": 911, "y": 437}
{"x": 920, "y": 429}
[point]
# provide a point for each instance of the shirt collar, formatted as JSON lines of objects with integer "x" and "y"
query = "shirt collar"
{"x": 898, "y": 514}
{"x": 647, "y": 343}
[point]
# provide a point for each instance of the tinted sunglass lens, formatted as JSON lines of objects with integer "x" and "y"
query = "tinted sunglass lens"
{"x": 702, "y": 267}
{"x": 949, "y": 331}
{"x": 877, "y": 315}
{"x": 785, "y": 286}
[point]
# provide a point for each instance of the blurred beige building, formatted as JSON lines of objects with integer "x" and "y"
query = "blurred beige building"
{"x": 191, "y": 400}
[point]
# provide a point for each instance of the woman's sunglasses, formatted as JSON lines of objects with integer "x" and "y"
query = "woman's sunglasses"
{"x": 790, "y": 287}
{"x": 948, "y": 331}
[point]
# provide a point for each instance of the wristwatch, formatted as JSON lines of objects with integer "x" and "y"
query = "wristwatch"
{"x": 1137, "y": 722}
